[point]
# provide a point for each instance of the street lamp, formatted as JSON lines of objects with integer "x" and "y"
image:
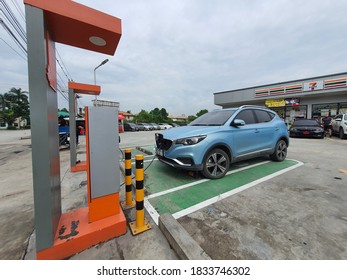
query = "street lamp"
{"x": 102, "y": 63}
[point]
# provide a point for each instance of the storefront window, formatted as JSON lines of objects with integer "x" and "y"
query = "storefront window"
{"x": 295, "y": 112}
{"x": 291, "y": 113}
{"x": 330, "y": 109}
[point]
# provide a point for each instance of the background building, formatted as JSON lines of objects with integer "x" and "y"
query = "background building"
{"x": 306, "y": 98}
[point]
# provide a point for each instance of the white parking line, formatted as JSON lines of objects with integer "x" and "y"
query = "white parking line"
{"x": 202, "y": 181}
{"x": 155, "y": 215}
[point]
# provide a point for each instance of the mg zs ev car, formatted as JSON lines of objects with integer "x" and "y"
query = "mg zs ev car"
{"x": 216, "y": 139}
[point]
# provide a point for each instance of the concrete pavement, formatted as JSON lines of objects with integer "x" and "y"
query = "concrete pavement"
{"x": 17, "y": 216}
{"x": 298, "y": 215}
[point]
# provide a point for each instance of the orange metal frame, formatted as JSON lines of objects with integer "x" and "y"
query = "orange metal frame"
{"x": 80, "y": 229}
{"x": 77, "y": 25}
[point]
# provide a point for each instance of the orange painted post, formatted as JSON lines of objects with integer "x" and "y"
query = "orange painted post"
{"x": 129, "y": 202}
{"x": 141, "y": 224}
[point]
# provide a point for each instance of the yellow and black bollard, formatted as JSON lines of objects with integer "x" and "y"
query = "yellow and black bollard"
{"x": 129, "y": 202}
{"x": 141, "y": 224}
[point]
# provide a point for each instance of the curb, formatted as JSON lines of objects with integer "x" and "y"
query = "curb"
{"x": 179, "y": 239}
{"x": 181, "y": 242}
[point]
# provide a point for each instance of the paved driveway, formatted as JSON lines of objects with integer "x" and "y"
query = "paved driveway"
{"x": 301, "y": 214}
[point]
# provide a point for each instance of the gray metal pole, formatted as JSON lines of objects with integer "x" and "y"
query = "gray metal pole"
{"x": 44, "y": 133}
{"x": 72, "y": 117}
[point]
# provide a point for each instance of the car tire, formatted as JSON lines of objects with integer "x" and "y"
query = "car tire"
{"x": 216, "y": 164}
{"x": 280, "y": 152}
{"x": 341, "y": 134}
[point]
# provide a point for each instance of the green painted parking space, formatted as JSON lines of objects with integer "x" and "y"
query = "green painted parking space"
{"x": 161, "y": 177}
{"x": 176, "y": 201}
{"x": 179, "y": 192}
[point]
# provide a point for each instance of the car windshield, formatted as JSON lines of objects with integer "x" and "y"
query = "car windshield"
{"x": 214, "y": 118}
{"x": 306, "y": 123}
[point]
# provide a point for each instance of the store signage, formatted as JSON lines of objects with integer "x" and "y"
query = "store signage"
{"x": 300, "y": 88}
{"x": 272, "y": 103}
{"x": 311, "y": 86}
{"x": 292, "y": 101}
{"x": 275, "y": 103}
{"x": 336, "y": 83}
{"x": 297, "y": 88}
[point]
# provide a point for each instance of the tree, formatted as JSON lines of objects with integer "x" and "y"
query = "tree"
{"x": 155, "y": 116}
{"x": 201, "y": 112}
{"x": 191, "y": 118}
{"x": 143, "y": 116}
{"x": 20, "y": 103}
{"x": 159, "y": 115}
{"x": 14, "y": 104}
{"x": 6, "y": 112}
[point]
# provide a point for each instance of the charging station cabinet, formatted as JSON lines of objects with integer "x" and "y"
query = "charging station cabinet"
{"x": 102, "y": 162}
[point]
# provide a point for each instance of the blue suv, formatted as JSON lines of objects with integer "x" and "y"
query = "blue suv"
{"x": 216, "y": 139}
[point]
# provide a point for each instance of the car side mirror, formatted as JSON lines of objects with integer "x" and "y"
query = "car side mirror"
{"x": 238, "y": 122}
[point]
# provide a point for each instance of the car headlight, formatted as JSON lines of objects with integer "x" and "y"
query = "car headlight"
{"x": 190, "y": 140}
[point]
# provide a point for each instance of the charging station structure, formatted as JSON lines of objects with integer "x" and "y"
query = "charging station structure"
{"x": 74, "y": 89}
{"x": 60, "y": 235}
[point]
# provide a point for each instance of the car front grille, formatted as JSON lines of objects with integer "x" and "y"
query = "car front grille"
{"x": 306, "y": 129}
{"x": 162, "y": 143}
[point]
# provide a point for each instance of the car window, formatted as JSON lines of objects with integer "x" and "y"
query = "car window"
{"x": 305, "y": 122}
{"x": 263, "y": 116}
{"x": 213, "y": 118}
{"x": 345, "y": 117}
{"x": 247, "y": 116}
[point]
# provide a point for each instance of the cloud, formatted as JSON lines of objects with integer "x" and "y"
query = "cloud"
{"x": 176, "y": 54}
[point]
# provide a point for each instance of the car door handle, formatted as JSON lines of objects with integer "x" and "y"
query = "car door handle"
{"x": 277, "y": 129}
{"x": 256, "y": 131}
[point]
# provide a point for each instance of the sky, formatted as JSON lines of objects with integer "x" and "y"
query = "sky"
{"x": 176, "y": 54}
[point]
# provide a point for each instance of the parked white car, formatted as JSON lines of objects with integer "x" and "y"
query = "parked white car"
{"x": 164, "y": 126}
{"x": 339, "y": 124}
{"x": 146, "y": 126}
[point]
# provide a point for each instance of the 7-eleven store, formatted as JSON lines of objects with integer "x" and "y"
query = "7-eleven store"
{"x": 306, "y": 98}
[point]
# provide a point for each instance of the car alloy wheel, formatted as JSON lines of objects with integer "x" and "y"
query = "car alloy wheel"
{"x": 280, "y": 152}
{"x": 216, "y": 164}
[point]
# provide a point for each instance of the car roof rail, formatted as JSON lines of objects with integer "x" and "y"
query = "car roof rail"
{"x": 253, "y": 106}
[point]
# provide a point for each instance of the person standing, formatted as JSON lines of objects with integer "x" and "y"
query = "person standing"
{"x": 328, "y": 128}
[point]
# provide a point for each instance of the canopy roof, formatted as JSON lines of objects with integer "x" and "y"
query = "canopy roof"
{"x": 63, "y": 114}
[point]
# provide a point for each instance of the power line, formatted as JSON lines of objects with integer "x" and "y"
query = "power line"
{"x": 13, "y": 49}
{"x": 17, "y": 33}
{"x": 62, "y": 69}
{"x": 13, "y": 27}
{"x": 12, "y": 19}
{"x": 67, "y": 74}
{"x": 14, "y": 37}
{"x": 18, "y": 9}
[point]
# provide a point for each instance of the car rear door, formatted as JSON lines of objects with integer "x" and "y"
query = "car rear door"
{"x": 266, "y": 129}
